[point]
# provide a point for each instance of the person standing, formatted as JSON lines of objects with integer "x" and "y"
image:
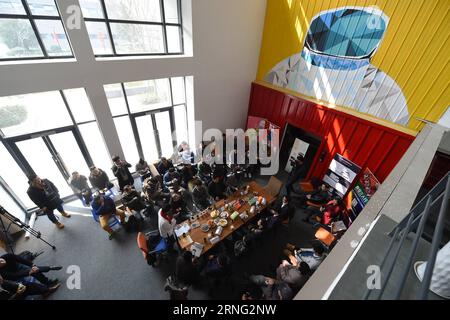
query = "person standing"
{"x": 297, "y": 172}
{"x": 46, "y": 196}
{"x": 81, "y": 188}
{"x": 99, "y": 179}
{"x": 121, "y": 172}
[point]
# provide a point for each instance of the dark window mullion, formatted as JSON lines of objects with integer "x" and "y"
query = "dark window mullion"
{"x": 163, "y": 19}
{"x": 134, "y": 127}
{"x": 171, "y": 113}
{"x": 77, "y": 133}
{"x": 156, "y": 135}
{"x": 180, "y": 20}
{"x": 108, "y": 27}
{"x": 35, "y": 29}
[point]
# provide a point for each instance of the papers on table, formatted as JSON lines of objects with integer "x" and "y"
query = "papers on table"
{"x": 184, "y": 228}
{"x": 197, "y": 249}
{"x": 185, "y": 241}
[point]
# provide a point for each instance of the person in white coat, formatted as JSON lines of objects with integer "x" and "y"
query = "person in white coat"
{"x": 166, "y": 224}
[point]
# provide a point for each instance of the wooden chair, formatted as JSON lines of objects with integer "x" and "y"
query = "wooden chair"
{"x": 274, "y": 186}
{"x": 326, "y": 237}
{"x": 306, "y": 186}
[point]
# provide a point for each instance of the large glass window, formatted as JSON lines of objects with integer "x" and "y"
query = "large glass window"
{"x": 126, "y": 138}
{"x": 51, "y": 134}
{"x": 28, "y": 113}
{"x": 150, "y": 116}
{"x": 14, "y": 176}
{"x": 32, "y": 29}
{"x": 148, "y": 95}
{"x": 133, "y": 27}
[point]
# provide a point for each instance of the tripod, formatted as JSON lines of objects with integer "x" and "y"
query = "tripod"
{"x": 21, "y": 225}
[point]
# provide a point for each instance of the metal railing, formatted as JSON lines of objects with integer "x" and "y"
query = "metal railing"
{"x": 415, "y": 222}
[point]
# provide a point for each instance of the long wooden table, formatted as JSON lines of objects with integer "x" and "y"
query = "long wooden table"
{"x": 201, "y": 237}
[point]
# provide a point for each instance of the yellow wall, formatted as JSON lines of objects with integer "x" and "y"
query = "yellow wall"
{"x": 415, "y": 50}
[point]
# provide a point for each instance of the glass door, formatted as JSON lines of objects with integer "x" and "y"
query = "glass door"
{"x": 164, "y": 130}
{"x": 55, "y": 156}
{"x": 69, "y": 153}
{"x": 155, "y": 134}
{"x": 147, "y": 135}
{"x": 44, "y": 163}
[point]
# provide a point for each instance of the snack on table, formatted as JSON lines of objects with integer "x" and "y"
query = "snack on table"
{"x": 210, "y": 223}
{"x": 234, "y": 215}
{"x": 223, "y": 222}
{"x": 214, "y": 214}
{"x": 224, "y": 215}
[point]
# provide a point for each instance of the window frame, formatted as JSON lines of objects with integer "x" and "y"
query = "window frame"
{"x": 31, "y": 18}
{"x": 132, "y": 116}
{"x": 163, "y": 24}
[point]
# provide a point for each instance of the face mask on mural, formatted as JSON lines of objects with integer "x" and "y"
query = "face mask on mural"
{"x": 334, "y": 65}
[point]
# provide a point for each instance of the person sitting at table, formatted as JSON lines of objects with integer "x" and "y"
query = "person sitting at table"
{"x": 295, "y": 276}
{"x": 170, "y": 176}
{"x": 313, "y": 257}
{"x": 104, "y": 207}
{"x": 188, "y": 173}
{"x": 166, "y": 225}
{"x": 186, "y": 271}
{"x": 200, "y": 195}
{"x": 318, "y": 197}
{"x": 217, "y": 188}
{"x": 285, "y": 210}
{"x": 272, "y": 289}
{"x": 81, "y": 188}
{"x": 328, "y": 212}
{"x": 179, "y": 208}
{"x": 259, "y": 228}
{"x": 143, "y": 169}
{"x": 99, "y": 179}
{"x": 163, "y": 166}
{"x": 132, "y": 201}
{"x": 217, "y": 266}
{"x": 219, "y": 171}
{"x": 204, "y": 171}
{"x": 154, "y": 192}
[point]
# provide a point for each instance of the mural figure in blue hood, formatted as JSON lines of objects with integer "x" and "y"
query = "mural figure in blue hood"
{"x": 334, "y": 65}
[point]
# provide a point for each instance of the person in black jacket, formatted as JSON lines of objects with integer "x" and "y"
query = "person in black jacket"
{"x": 133, "y": 201}
{"x": 16, "y": 269}
{"x": 164, "y": 165}
{"x": 280, "y": 212}
{"x": 46, "y": 196}
{"x": 99, "y": 179}
{"x": 217, "y": 188}
{"x": 298, "y": 172}
{"x": 185, "y": 270}
{"x": 81, "y": 188}
{"x": 319, "y": 196}
{"x": 121, "y": 172}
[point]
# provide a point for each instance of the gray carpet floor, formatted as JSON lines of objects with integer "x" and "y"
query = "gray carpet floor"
{"x": 116, "y": 269}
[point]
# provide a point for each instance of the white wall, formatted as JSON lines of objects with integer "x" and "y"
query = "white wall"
{"x": 226, "y": 41}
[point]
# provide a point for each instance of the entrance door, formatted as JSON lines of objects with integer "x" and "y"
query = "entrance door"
{"x": 54, "y": 156}
{"x": 295, "y": 139}
{"x": 155, "y": 134}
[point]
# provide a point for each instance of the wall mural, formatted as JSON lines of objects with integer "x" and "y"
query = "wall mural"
{"x": 334, "y": 65}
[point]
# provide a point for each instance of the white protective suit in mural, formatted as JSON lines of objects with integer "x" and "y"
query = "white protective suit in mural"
{"x": 334, "y": 65}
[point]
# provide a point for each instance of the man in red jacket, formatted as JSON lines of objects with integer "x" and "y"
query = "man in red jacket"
{"x": 332, "y": 209}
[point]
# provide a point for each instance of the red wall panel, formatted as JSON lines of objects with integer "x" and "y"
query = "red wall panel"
{"x": 361, "y": 141}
